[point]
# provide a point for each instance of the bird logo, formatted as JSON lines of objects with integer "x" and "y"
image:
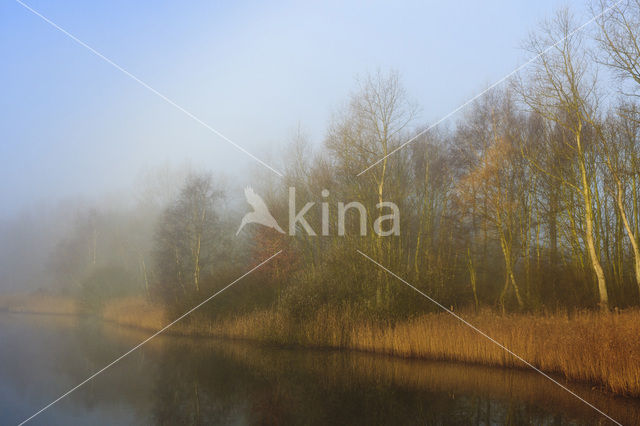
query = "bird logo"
{"x": 260, "y": 213}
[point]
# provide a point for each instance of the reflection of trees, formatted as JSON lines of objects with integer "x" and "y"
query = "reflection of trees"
{"x": 202, "y": 381}
{"x": 205, "y": 382}
{"x": 197, "y": 385}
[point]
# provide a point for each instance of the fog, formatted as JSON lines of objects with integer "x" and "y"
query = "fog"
{"x": 355, "y": 169}
{"x": 73, "y": 124}
{"x": 81, "y": 140}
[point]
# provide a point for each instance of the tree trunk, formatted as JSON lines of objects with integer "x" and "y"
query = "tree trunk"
{"x": 591, "y": 246}
{"x": 630, "y": 234}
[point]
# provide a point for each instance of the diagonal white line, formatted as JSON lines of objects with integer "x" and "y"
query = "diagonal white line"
{"x": 145, "y": 85}
{"x": 492, "y": 339}
{"x": 146, "y": 340}
{"x": 497, "y": 83}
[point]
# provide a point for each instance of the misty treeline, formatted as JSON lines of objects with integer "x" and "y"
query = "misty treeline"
{"x": 529, "y": 201}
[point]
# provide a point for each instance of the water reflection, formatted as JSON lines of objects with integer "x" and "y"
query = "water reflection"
{"x": 176, "y": 380}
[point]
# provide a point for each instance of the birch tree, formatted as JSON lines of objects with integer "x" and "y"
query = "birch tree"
{"x": 561, "y": 88}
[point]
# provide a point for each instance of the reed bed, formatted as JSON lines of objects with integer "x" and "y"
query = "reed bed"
{"x": 594, "y": 347}
{"x": 599, "y": 348}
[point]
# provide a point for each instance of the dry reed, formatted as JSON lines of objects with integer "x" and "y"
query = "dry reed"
{"x": 594, "y": 347}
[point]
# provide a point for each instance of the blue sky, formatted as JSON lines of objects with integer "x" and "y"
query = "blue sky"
{"x": 72, "y": 124}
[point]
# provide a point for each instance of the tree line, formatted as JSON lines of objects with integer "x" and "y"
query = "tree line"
{"x": 529, "y": 201}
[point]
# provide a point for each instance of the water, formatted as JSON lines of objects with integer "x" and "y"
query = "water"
{"x": 176, "y": 380}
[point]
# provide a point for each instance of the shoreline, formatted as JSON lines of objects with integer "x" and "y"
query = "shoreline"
{"x": 606, "y": 355}
{"x": 600, "y": 386}
{"x": 520, "y": 386}
{"x": 323, "y": 348}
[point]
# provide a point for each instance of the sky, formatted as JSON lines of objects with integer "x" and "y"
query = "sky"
{"x": 74, "y": 125}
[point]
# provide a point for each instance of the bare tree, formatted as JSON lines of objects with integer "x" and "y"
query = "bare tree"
{"x": 562, "y": 90}
{"x": 185, "y": 237}
{"x": 619, "y": 39}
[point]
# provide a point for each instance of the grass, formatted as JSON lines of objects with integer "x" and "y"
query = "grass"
{"x": 594, "y": 347}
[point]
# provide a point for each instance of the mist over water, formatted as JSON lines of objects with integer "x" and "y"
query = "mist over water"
{"x": 338, "y": 176}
